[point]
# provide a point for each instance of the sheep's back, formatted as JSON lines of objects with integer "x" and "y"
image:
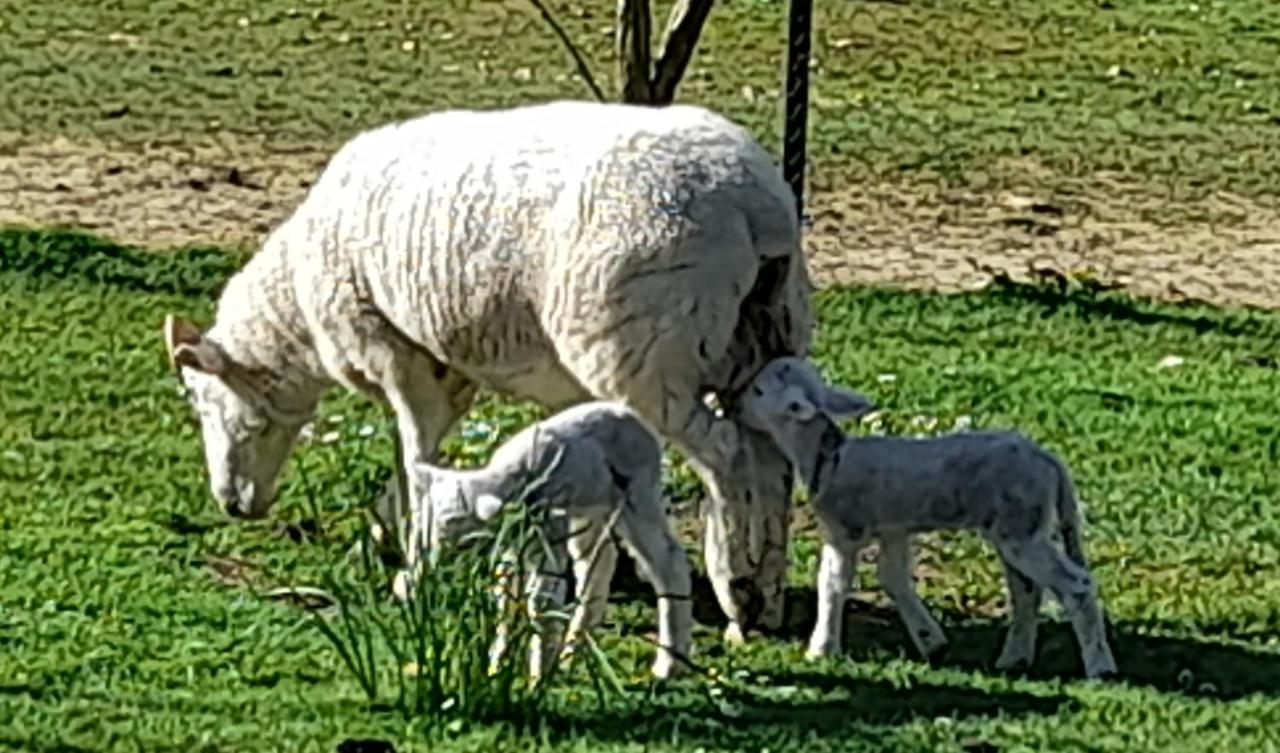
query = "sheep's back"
{"x": 494, "y": 238}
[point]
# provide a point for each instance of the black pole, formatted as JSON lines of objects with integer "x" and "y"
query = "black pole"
{"x": 797, "y": 98}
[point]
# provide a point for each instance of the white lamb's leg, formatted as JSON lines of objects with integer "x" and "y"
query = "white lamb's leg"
{"x": 894, "y": 568}
{"x": 1073, "y": 587}
{"x": 648, "y": 536}
{"x": 595, "y": 558}
{"x": 548, "y": 584}
{"x": 1025, "y": 596}
{"x": 835, "y": 575}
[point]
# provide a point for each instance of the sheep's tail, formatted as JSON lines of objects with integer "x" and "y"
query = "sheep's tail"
{"x": 1069, "y": 520}
{"x": 775, "y": 320}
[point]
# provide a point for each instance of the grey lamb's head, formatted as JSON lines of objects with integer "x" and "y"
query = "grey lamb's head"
{"x": 790, "y": 391}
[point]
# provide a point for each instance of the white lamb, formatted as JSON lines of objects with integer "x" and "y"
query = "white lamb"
{"x": 561, "y": 253}
{"x": 599, "y": 470}
{"x": 998, "y": 483}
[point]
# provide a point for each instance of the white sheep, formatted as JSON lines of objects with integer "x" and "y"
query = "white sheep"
{"x": 559, "y": 252}
{"x": 998, "y": 483}
{"x": 598, "y": 470}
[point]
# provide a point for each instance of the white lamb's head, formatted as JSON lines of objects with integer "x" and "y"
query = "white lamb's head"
{"x": 447, "y": 497}
{"x": 789, "y": 393}
{"x": 246, "y": 441}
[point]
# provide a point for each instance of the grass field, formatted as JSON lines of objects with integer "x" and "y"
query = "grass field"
{"x": 133, "y": 615}
{"x": 1177, "y": 97}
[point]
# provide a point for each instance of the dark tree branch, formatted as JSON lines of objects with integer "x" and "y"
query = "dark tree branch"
{"x": 683, "y": 29}
{"x": 579, "y": 61}
{"x": 634, "y": 31}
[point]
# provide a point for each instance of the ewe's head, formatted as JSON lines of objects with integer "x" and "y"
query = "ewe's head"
{"x": 454, "y": 510}
{"x": 789, "y": 393}
{"x": 246, "y": 440}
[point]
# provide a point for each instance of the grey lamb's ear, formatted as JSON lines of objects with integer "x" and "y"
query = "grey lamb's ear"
{"x": 187, "y": 347}
{"x": 842, "y": 403}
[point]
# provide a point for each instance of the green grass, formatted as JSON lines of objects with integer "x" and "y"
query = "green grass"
{"x": 1178, "y": 98}
{"x": 132, "y": 614}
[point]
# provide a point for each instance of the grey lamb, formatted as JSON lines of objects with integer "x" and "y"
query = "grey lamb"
{"x": 998, "y": 483}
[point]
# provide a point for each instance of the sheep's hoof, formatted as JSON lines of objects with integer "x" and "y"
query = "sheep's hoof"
{"x": 734, "y": 635}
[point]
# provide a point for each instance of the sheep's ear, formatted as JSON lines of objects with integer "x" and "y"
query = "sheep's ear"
{"x": 488, "y": 506}
{"x": 842, "y": 403}
{"x": 187, "y": 347}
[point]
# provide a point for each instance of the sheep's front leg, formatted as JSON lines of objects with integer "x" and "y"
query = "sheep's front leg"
{"x": 894, "y": 569}
{"x": 425, "y": 410}
{"x": 745, "y": 518}
{"x": 834, "y": 577}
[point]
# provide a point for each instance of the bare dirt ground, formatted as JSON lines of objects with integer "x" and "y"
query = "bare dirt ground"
{"x": 1226, "y": 251}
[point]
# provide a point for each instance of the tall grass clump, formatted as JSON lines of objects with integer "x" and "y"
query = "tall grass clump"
{"x": 430, "y": 656}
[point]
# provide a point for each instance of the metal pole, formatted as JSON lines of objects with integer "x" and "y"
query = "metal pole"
{"x": 800, "y": 20}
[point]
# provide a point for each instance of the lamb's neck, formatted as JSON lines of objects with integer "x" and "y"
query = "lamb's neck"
{"x": 816, "y": 446}
{"x": 260, "y": 325}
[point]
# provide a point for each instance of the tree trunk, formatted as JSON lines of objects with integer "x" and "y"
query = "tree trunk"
{"x": 640, "y": 81}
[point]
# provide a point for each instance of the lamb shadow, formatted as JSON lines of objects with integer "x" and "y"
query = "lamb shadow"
{"x": 1199, "y": 668}
{"x": 847, "y": 709}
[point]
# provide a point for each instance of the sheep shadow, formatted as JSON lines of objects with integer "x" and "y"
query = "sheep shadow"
{"x": 1201, "y": 668}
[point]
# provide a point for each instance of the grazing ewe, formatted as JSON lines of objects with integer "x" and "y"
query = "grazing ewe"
{"x": 597, "y": 467}
{"x": 561, "y": 253}
{"x": 997, "y": 483}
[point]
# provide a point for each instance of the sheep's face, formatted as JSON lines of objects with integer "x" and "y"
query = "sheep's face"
{"x": 789, "y": 392}
{"x": 245, "y": 442}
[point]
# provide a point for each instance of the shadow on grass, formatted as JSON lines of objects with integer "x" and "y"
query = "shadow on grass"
{"x": 855, "y": 711}
{"x": 1193, "y": 667}
{"x": 77, "y": 256}
{"x": 1092, "y": 300}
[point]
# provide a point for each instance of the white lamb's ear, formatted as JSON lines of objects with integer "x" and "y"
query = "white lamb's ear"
{"x": 842, "y": 403}
{"x": 487, "y": 506}
{"x": 187, "y": 347}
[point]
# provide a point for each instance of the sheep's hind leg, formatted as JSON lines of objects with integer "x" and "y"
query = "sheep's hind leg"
{"x": 1073, "y": 587}
{"x": 894, "y": 568}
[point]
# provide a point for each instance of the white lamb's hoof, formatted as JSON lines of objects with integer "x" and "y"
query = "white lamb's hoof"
{"x": 733, "y": 635}
{"x": 402, "y": 586}
{"x": 667, "y": 667}
{"x": 820, "y": 649}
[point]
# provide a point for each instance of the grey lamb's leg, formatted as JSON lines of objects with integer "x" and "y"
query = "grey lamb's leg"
{"x": 835, "y": 575}
{"x": 1025, "y": 597}
{"x": 894, "y": 568}
{"x": 1074, "y": 588}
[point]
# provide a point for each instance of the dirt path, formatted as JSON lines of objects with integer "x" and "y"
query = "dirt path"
{"x": 231, "y": 194}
